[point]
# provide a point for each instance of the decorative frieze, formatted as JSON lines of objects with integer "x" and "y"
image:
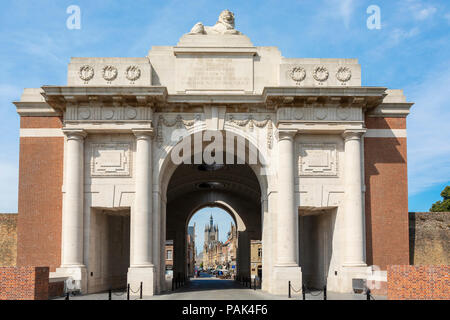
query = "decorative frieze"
{"x": 318, "y": 160}
{"x": 319, "y": 72}
{"x": 320, "y": 113}
{"x": 111, "y": 160}
{"x": 251, "y": 123}
{"x": 95, "y": 111}
{"x": 178, "y": 122}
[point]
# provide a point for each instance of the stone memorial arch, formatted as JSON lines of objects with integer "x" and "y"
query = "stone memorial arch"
{"x": 321, "y": 179}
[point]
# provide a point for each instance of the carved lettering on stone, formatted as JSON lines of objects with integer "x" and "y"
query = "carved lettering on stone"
{"x": 318, "y": 160}
{"x": 111, "y": 160}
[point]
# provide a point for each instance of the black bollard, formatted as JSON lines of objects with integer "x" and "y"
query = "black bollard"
{"x": 368, "y": 294}
{"x": 254, "y": 285}
{"x": 67, "y": 296}
{"x": 173, "y": 284}
{"x": 110, "y": 294}
{"x": 140, "y": 295}
{"x": 250, "y": 282}
{"x": 325, "y": 292}
{"x": 289, "y": 290}
{"x": 303, "y": 292}
{"x": 128, "y": 292}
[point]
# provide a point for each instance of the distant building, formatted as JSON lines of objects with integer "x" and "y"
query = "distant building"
{"x": 169, "y": 257}
{"x": 256, "y": 258}
{"x": 217, "y": 254}
{"x": 191, "y": 254}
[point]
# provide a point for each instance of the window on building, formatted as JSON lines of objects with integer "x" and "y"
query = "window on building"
{"x": 259, "y": 252}
{"x": 169, "y": 255}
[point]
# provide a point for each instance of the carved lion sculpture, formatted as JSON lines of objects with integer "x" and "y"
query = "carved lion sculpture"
{"x": 225, "y": 25}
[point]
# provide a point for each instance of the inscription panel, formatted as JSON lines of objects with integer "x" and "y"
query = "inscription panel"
{"x": 318, "y": 160}
{"x": 111, "y": 160}
{"x": 224, "y": 73}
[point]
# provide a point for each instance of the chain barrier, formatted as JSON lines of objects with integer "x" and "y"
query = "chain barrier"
{"x": 137, "y": 291}
{"x": 310, "y": 291}
{"x": 305, "y": 290}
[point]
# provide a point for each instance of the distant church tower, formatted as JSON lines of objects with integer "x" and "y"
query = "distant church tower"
{"x": 211, "y": 232}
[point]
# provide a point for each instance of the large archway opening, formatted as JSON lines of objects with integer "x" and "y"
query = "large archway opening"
{"x": 239, "y": 188}
{"x": 230, "y": 188}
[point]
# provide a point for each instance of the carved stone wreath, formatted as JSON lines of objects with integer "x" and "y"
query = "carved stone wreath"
{"x": 298, "y": 74}
{"x": 133, "y": 73}
{"x": 86, "y": 73}
{"x": 344, "y": 74}
{"x": 110, "y": 73}
{"x": 321, "y": 74}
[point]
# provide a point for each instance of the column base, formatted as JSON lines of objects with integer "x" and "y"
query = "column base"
{"x": 281, "y": 277}
{"x": 144, "y": 274}
{"x": 349, "y": 272}
{"x": 77, "y": 278}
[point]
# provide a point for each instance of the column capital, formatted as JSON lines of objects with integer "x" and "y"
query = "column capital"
{"x": 353, "y": 134}
{"x": 74, "y": 134}
{"x": 288, "y": 134}
{"x": 143, "y": 133}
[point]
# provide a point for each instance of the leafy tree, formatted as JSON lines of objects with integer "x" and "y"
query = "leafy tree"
{"x": 444, "y": 205}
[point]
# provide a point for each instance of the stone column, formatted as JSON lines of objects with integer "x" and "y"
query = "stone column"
{"x": 72, "y": 262}
{"x": 287, "y": 215}
{"x": 142, "y": 268}
{"x": 354, "y": 213}
{"x": 286, "y": 267}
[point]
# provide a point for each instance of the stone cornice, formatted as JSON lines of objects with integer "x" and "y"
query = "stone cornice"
{"x": 391, "y": 110}
{"x": 35, "y": 109}
{"x": 57, "y": 97}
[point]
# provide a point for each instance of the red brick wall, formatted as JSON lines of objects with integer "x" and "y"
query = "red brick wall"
{"x": 40, "y": 122}
{"x": 386, "y": 202}
{"x": 418, "y": 282}
{"x": 40, "y": 196}
{"x": 24, "y": 283}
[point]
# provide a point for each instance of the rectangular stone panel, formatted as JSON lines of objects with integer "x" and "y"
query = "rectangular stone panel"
{"x": 214, "y": 73}
{"x": 110, "y": 160}
{"x": 318, "y": 160}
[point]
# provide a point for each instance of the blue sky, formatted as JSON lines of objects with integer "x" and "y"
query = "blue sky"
{"x": 411, "y": 51}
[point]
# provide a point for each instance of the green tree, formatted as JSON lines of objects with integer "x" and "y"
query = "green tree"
{"x": 444, "y": 205}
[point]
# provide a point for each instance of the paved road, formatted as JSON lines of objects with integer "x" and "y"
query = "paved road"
{"x": 209, "y": 288}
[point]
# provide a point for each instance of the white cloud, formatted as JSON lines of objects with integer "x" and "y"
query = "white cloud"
{"x": 429, "y": 130}
{"x": 398, "y": 35}
{"x": 421, "y": 11}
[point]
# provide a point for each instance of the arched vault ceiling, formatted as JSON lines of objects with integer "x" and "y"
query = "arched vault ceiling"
{"x": 236, "y": 179}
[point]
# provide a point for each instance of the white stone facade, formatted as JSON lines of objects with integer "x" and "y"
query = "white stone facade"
{"x": 305, "y": 118}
